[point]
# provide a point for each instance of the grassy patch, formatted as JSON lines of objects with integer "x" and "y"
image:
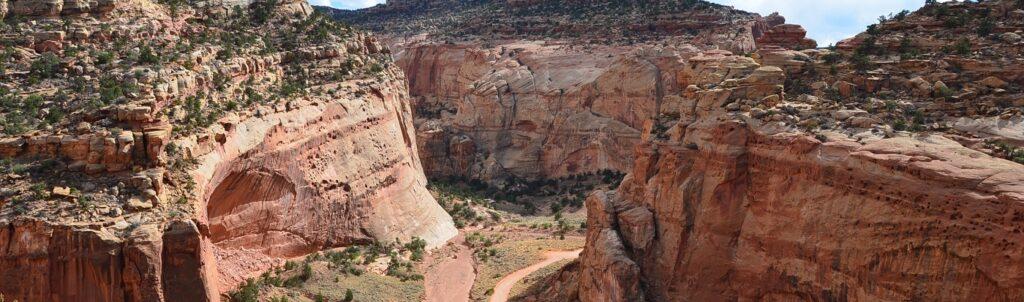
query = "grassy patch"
{"x": 574, "y": 219}
{"x": 366, "y": 287}
{"x": 507, "y": 257}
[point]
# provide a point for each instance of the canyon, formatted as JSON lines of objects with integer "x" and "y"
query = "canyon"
{"x": 212, "y": 164}
{"x": 264, "y": 151}
{"x": 759, "y": 168}
{"x": 547, "y": 99}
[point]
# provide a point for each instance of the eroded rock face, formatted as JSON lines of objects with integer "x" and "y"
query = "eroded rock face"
{"x": 784, "y": 217}
{"x": 530, "y": 110}
{"x": 326, "y": 175}
{"x": 55, "y": 8}
{"x": 44, "y": 262}
{"x": 493, "y": 103}
{"x": 195, "y": 171}
{"x": 743, "y": 208}
{"x": 791, "y": 36}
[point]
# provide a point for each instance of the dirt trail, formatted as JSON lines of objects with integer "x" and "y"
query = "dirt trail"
{"x": 504, "y": 287}
{"x": 451, "y": 276}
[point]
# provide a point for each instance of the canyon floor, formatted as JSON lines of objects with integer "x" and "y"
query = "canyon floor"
{"x": 502, "y": 250}
{"x": 453, "y": 150}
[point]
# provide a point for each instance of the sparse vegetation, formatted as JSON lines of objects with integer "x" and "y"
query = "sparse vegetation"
{"x": 507, "y": 257}
{"x": 1007, "y": 151}
{"x": 341, "y": 275}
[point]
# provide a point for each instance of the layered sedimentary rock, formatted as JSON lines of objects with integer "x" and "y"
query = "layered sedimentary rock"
{"x": 749, "y": 215}
{"x": 169, "y": 172}
{"x": 286, "y": 184}
{"x": 531, "y": 110}
{"x": 56, "y": 8}
{"x": 51, "y": 262}
{"x": 790, "y": 36}
{"x": 739, "y": 200}
{"x": 493, "y": 104}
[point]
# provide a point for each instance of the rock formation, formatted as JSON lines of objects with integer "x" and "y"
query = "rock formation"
{"x": 790, "y": 36}
{"x": 494, "y": 103}
{"x": 750, "y": 195}
{"x": 166, "y": 152}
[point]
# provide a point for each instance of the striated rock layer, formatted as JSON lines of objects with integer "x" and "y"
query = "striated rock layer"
{"x": 725, "y": 206}
{"x": 278, "y": 186}
{"x": 494, "y": 103}
{"x": 753, "y": 216}
{"x": 49, "y": 262}
{"x": 531, "y": 111}
{"x": 204, "y": 168}
{"x": 325, "y": 175}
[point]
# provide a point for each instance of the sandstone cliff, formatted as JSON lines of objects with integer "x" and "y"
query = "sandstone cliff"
{"x": 495, "y": 103}
{"x": 786, "y": 183}
{"x": 165, "y": 152}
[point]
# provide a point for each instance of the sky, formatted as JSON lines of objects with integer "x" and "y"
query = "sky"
{"x": 827, "y": 21}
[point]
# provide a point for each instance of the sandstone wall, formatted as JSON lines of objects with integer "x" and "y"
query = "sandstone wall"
{"x": 286, "y": 175}
{"x": 733, "y": 208}
{"x": 497, "y": 109}
{"x": 531, "y": 110}
{"x": 313, "y": 175}
{"x": 318, "y": 176}
{"x": 46, "y": 262}
{"x": 750, "y": 216}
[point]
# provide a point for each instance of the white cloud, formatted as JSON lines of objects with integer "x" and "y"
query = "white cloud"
{"x": 320, "y": 2}
{"x": 827, "y": 21}
{"x": 351, "y": 4}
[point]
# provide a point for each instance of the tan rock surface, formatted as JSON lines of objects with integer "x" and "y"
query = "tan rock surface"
{"x": 744, "y": 209}
{"x": 197, "y": 168}
{"x": 533, "y": 110}
{"x": 495, "y": 103}
{"x": 287, "y": 184}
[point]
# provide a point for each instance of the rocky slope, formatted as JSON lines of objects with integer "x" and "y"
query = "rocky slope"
{"x": 165, "y": 151}
{"x": 511, "y": 90}
{"x": 871, "y": 173}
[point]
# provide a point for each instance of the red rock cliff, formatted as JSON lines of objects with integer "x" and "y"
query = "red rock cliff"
{"x": 203, "y": 168}
{"x": 730, "y": 207}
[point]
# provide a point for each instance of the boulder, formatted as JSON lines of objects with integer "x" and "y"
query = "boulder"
{"x": 1010, "y": 37}
{"x": 846, "y": 89}
{"x": 920, "y": 87}
{"x": 845, "y": 114}
{"x": 940, "y": 89}
{"x": 789, "y": 36}
{"x": 993, "y": 82}
{"x": 791, "y": 61}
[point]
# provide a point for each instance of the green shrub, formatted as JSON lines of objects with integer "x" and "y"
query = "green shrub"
{"x": 110, "y": 90}
{"x": 104, "y": 57}
{"x": 376, "y": 68}
{"x": 248, "y": 292}
{"x": 833, "y": 58}
{"x": 963, "y": 47}
{"x": 417, "y": 246}
{"x": 46, "y": 66}
{"x": 148, "y": 56}
{"x": 861, "y": 62}
{"x": 263, "y": 10}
